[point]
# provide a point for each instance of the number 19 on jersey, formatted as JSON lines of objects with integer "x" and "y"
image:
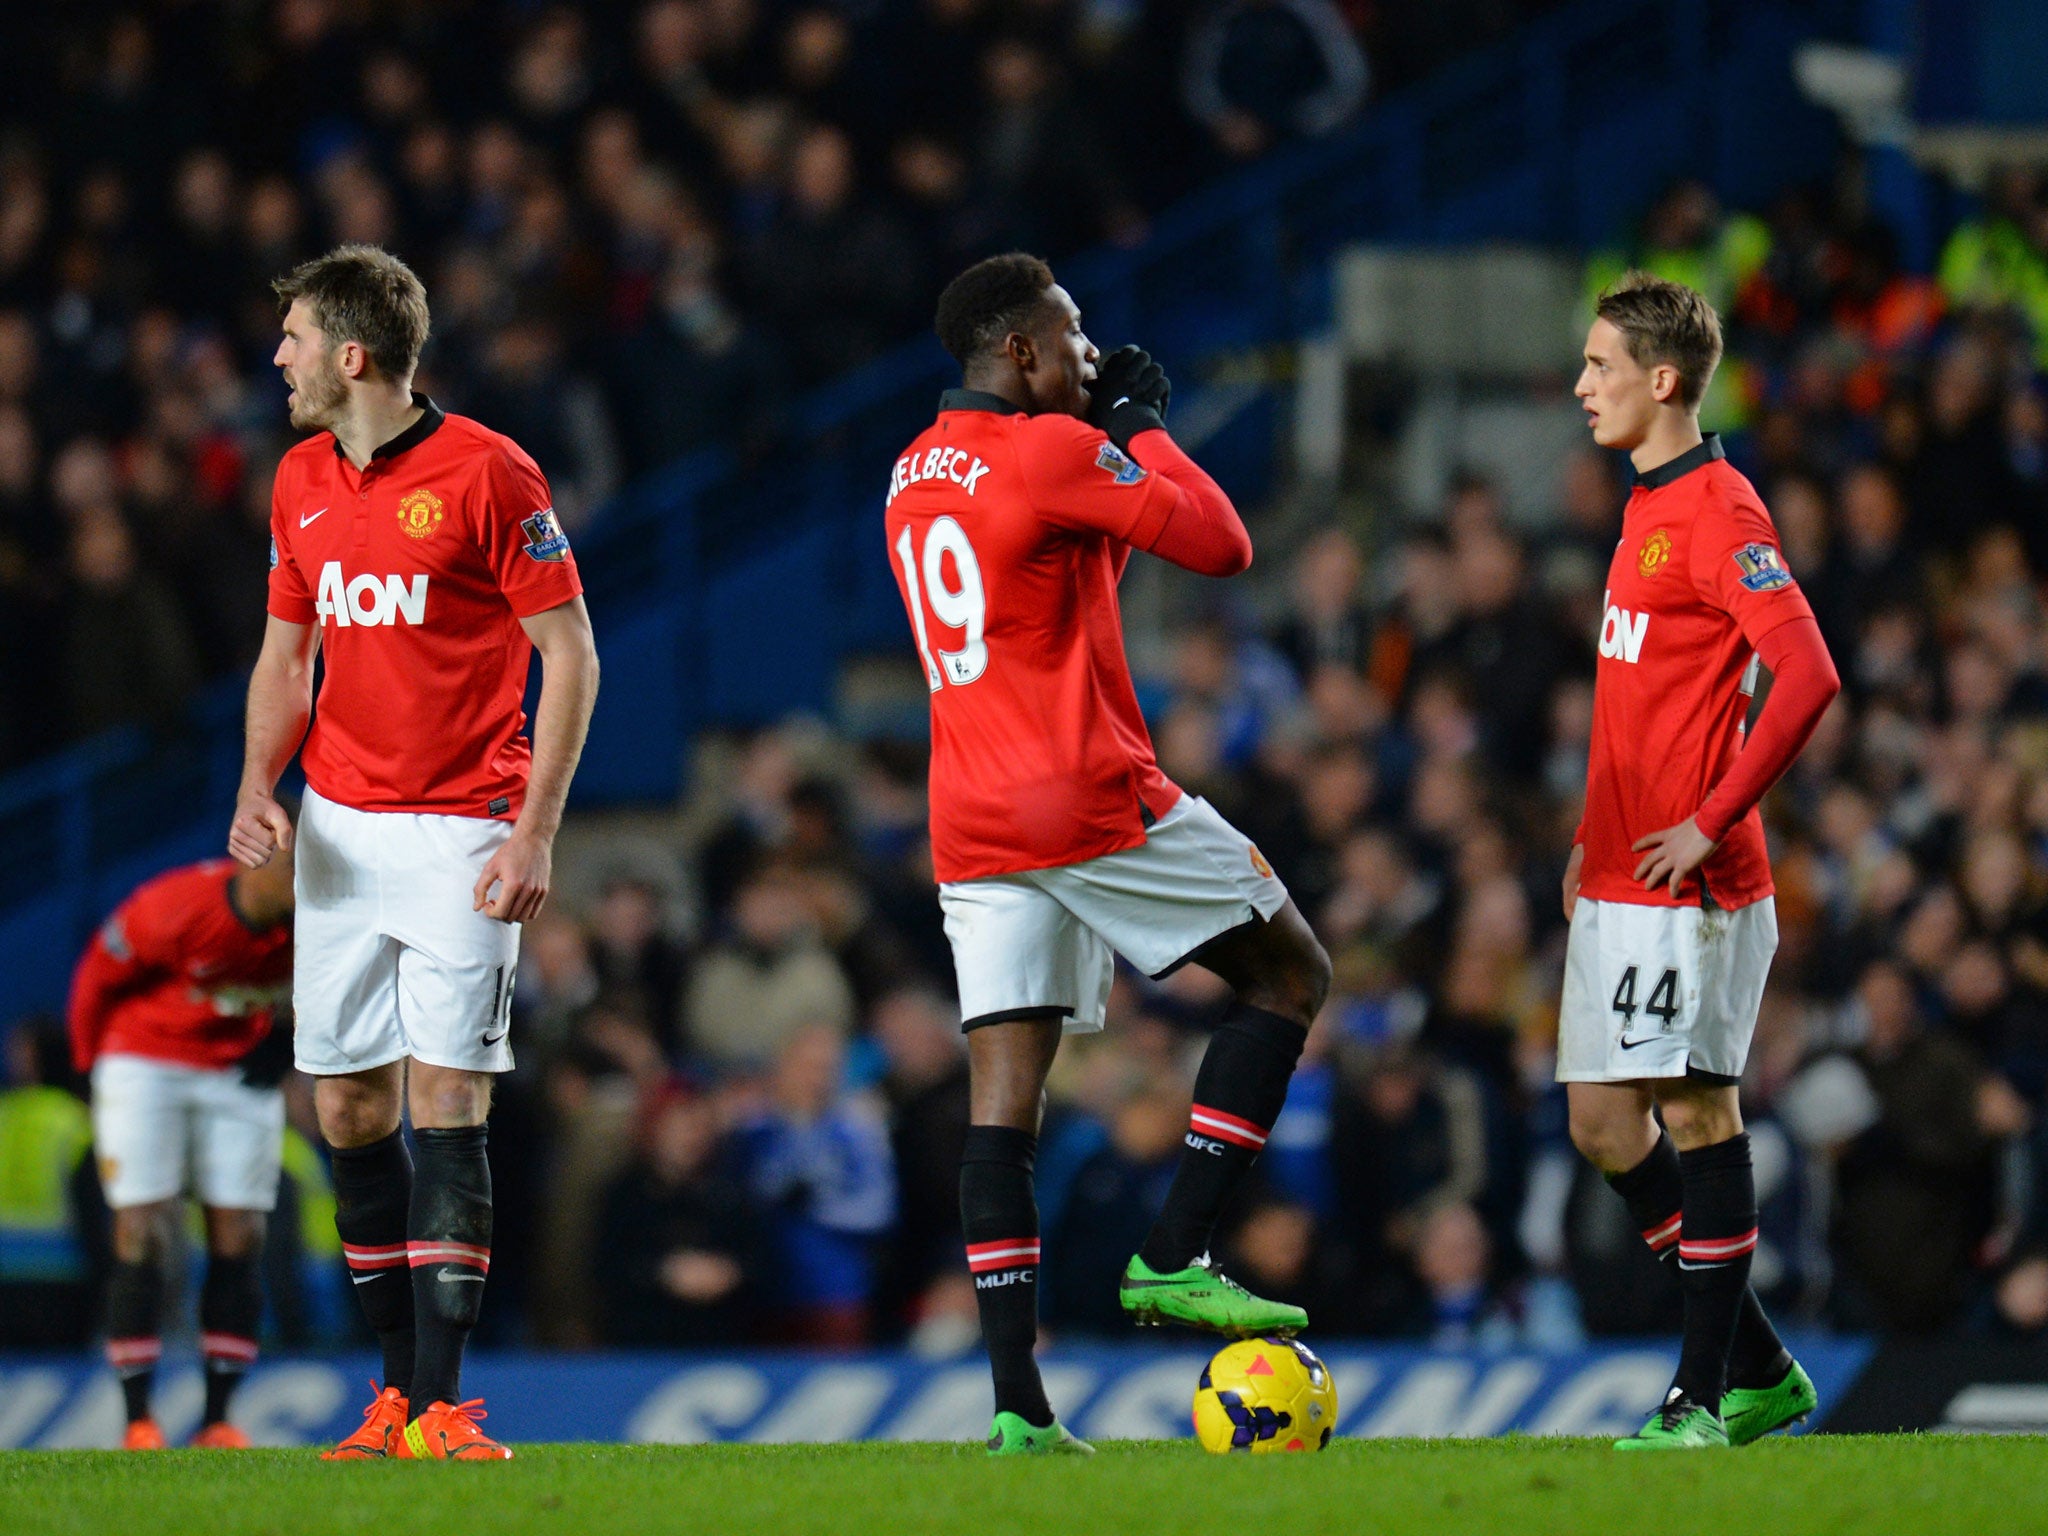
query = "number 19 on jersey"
{"x": 961, "y": 605}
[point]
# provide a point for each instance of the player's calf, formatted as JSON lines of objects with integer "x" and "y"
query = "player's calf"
{"x": 448, "y": 1246}
{"x": 135, "y": 1293}
{"x": 999, "y": 1220}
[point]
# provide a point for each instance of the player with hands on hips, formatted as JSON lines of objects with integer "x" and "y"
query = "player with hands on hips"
{"x": 1668, "y": 888}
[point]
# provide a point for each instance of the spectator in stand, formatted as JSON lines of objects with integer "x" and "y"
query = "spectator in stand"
{"x": 769, "y": 979}
{"x": 681, "y": 1244}
{"x": 925, "y": 1087}
{"x": 1259, "y": 71}
{"x": 816, "y": 1159}
{"x": 52, "y": 1220}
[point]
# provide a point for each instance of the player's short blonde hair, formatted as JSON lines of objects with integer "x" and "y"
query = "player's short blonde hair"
{"x": 363, "y": 294}
{"x": 1666, "y": 322}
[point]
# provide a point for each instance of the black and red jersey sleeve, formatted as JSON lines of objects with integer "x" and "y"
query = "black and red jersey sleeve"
{"x": 521, "y": 538}
{"x": 1738, "y": 566}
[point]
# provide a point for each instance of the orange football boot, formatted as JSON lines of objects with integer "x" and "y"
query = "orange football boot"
{"x": 383, "y": 1431}
{"x": 220, "y": 1437}
{"x": 143, "y": 1435}
{"x": 448, "y": 1432}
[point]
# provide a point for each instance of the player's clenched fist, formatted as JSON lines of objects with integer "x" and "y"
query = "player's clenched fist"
{"x": 520, "y": 870}
{"x": 260, "y": 828}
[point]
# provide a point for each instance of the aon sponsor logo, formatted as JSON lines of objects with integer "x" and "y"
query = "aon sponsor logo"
{"x": 1621, "y": 634}
{"x": 370, "y": 599}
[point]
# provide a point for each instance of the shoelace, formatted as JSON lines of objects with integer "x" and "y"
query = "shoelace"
{"x": 469, "y": 1413}
{"x": 1675, "y": 1411}
{"x": 1216, "y": 1276}
{"x": 376, "y": 1400}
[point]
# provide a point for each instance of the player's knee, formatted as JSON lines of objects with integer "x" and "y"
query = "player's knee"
{"x": 449, "y": 1099}
{"x": 1610, "y": 1143}
{"x": 354, "y": 1113}
{"x": 234, "y": 1234}
{"x": 142, "y": 1232}
{"x": 1701, "y": 1119}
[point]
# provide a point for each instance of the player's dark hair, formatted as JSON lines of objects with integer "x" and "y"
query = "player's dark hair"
{"x": 1666, "y": 322}
{"x": 988, "y": 301}
{"x": 362, "y": 294}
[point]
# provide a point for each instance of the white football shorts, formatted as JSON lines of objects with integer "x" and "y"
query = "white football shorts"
{"x": 1662, "y": 991}
{"x": 161, "y": 1129}
{"x": 1047, "y": 938}
{"x": 389, "y": 958}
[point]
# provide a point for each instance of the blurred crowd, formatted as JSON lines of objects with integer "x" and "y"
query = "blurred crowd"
{"x": 741, "y": 1086}
{"x": 643, "y": 225}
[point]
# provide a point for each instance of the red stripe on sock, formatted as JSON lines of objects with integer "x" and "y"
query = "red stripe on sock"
{"x": 131, "y": 1354}
{"x": 1665, "y": 1233}
{"x": 467, "y": 1254}
{"x": 229, "y": 1347}
{"x": 373, "y": 1258}
{"x": 1714, "y": 1250}
{"x": 1235, "y": 1129}
{"x": 1011, "y": 1253}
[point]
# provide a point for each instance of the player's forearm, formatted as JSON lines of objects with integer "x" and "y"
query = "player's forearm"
{"x": 568, "y": 693}
{"x": 1203, "y": 533}
{"x": 1803, "y": 683}
{"x": 280, "y": 704}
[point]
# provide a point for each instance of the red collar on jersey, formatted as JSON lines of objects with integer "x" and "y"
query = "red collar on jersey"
{"x": 1692, "y": 459}
{"x": 429, "y": 423}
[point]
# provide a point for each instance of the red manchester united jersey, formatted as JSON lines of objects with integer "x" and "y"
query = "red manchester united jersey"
{"x": 1009, "y": 534}
{"x": 176, "y": 974}
{"x": 1697, "y": 581}
{"x": 418, "y": 569}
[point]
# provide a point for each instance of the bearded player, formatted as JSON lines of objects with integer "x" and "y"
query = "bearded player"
{"x": 420, "y": 553}
{"x": 1056, "y": 839}
{"x": 172, "y": 1011}
{"x": 1668, "y": 890}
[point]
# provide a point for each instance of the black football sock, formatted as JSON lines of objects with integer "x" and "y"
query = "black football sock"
{"x": 448, "y": 1241}
{"x": 372, "y": 1203}
{"x": 135, "y": 1298}
{"x": 230, "y": 1307}
{"x": 999, "y": 1219}
{"x": 1714, "y": 1250}
{"x": 1238, "y": 1094}
{"x": 1655, "y": 1192}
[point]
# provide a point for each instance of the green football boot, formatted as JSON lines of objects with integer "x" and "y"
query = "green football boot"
{"x": 1012, "y": 1435}
{"x": 1202, "y": 1296}
{"x": 1680, "y": 1425}
{"x": 1753, "y": 1412}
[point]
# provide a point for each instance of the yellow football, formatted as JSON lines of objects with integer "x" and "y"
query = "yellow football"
{"x": 1265, "y": 1395}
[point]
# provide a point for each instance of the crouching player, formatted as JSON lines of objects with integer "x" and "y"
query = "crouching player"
{"x": 172, "y": 1014}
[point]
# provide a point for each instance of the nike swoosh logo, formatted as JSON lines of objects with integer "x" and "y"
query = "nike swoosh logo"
{"x": 494, "y": 1039}
{"x": 449, "y": 1277}
{"x": 1629, "y": 1045}
{"x": 305, "y": 522}
{"x": 366, "y": 1279}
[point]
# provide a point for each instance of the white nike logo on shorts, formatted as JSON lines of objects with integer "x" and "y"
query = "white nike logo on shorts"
{"x": 306, "y": 521}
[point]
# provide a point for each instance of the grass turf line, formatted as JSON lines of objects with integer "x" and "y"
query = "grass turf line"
{"x": 1895, "y": 1485}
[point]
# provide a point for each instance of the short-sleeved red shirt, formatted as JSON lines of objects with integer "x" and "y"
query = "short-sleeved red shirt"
{"x": 1696, "y": 582}
{"x": 1009, "y": 534}
{"x": 176, "y": 975}
{"x": 418, "y": 570}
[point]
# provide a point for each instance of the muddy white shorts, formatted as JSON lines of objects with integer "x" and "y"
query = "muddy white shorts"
{"x": 389, "y": 958}
{"x": 1046, "y": 939}
{"x": 1662, "y": 991}
{"x": 162, "y": 1129}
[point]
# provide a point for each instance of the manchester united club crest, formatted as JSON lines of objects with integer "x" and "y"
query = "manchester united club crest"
{"x": 1259, "y": 862}
{"x": 420, "y": 513}
{"x": 1656, "y": 553}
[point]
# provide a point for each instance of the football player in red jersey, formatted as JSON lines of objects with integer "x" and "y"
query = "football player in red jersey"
{"x": 419, "y": 554}
{"x": 1056, "y": 840}
{"x": 1668, "y": 890}
{"x": 172, "y": 1012}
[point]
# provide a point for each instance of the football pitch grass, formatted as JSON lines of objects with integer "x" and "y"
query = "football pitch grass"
{"x": 1871, "y": 1486}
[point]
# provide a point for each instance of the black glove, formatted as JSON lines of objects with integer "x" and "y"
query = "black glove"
{"x": 1130, "y": 395}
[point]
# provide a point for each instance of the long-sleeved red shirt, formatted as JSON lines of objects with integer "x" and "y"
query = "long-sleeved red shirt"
{"x": 1008, "y": 534}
